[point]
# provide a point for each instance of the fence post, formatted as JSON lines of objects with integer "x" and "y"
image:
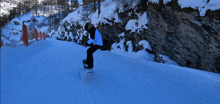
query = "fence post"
{"x": 25, "y": 37}
{"x": 40, "y": 35}
{"x": 2, "y": 44}
{"x": 44, "y": 36}
{"x": 35, "y": 33}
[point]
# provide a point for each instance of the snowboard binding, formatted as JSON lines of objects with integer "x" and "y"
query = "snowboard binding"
{"x": 86, "y": 66}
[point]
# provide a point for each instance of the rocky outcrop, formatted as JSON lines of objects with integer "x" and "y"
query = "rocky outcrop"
{"x": 181, "y": 34}
{"x": 16, "y": 23}
{"x": 190, "y": 40}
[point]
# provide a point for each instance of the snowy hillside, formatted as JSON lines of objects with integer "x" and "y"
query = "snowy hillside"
{"x": 48, "y": 72}
{"x": 5, "y": 8}
{"x": 12, "y": 32}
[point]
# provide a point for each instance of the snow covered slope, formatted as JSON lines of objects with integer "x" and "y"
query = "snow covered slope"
{"x": 47, "y": 72}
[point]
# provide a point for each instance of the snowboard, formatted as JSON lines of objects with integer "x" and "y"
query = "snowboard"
{"x": 87, "y": 75}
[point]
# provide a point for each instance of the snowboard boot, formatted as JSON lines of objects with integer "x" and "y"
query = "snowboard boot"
{"x": 86, "y": 66}
{"x": 84, "y": 61}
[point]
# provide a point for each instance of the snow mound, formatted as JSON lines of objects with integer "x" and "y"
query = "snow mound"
{"x": 168, "y": 60}
{"x": 138, "y": 25}
{"x": 119, "y": 49}
{"x": 145, "y": 44}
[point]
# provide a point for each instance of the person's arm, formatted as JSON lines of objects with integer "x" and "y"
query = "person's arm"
{"x": 92, "y": 36}
{"x": 90, "y": 41}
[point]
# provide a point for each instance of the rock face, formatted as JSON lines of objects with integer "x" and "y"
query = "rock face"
{"x": 181, "y": 34}
{"x": 110, "y": 35}
{"x": 189, "y": 40}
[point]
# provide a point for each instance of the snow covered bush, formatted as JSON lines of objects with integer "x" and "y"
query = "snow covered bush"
{"x": 135, "y": 25}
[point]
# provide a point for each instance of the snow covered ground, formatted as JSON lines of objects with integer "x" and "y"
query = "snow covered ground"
{"x": 47, "y": 72}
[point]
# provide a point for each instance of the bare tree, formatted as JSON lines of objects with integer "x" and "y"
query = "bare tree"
{"x": 94, "y": 5}
{"x": 98, "y": 7}
{"x": 19, "y": 8}
{"x": 35, "y": 6}
{"x": 74, "y": 3}
{"x": 143, "y": 5}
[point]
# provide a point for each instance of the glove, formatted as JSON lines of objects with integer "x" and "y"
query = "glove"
{"x": 88, "y": 44}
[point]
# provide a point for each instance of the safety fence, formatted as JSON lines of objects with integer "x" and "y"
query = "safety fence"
{"x": 38, "y": 35}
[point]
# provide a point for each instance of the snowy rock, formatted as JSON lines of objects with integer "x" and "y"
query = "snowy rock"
{"x": 138, "y": 25}
{"x": 145, "y": 45}
{"x": 16, "y": 23}
{"x": 180, "y": 34}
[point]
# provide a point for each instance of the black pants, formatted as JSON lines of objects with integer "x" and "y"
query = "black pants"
{"x": 90, "y": 52}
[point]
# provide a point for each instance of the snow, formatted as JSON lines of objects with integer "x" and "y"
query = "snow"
{"x": 75, "y": 17}
{"x": 202, "y": 5}
{"x": 122, "y": 35}
{"x": 131, "y": 25}
{"x": 154, "y": 1}
{"x": 119, "y": 49}
{"x": 168, "y": 60}
{"x": 130, "y": 47}
{"x": 138, "y": 25}
{"x": 11, "y": 28}
{"x": 47, "y": 72}
{"x": 166, "y": 1}
{"x": 5, "y": 8}
{"x": 145, "y": 44}
{"x": 108, "y": 12}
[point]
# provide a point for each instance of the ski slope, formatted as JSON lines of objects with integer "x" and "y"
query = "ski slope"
{"x": 46, "y": 72}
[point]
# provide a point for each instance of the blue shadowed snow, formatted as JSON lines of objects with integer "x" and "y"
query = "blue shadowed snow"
{"x": 47, "y": 72}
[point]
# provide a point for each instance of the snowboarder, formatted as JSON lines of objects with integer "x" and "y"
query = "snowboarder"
{"x": 95, "y": 42}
